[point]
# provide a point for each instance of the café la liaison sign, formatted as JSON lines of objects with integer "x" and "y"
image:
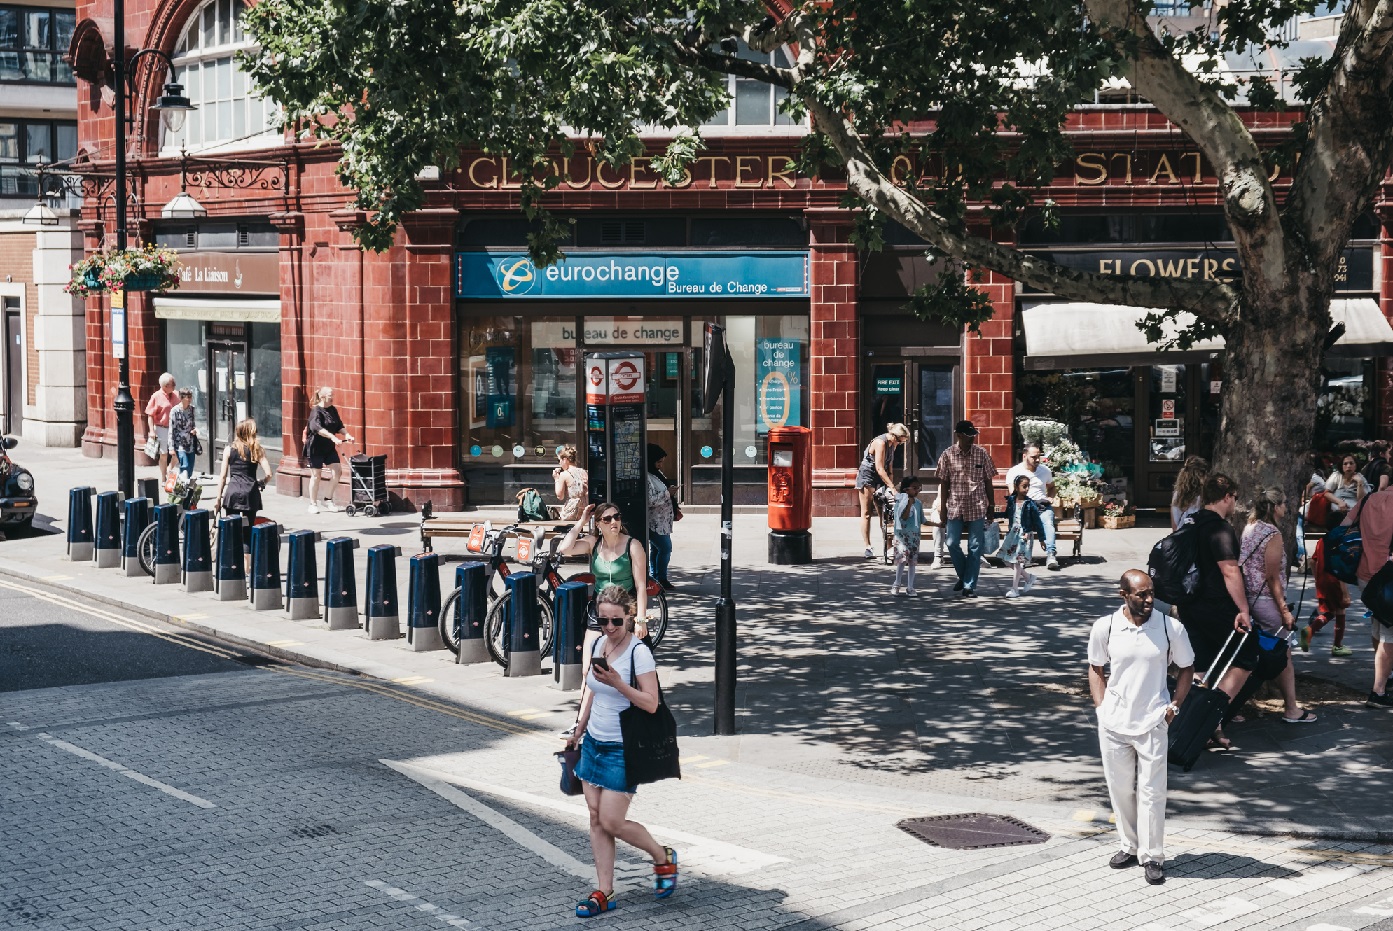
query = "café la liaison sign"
{"x": 631, "y": 275}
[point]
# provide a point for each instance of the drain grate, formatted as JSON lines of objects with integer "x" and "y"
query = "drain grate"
{"x": 970, "y": 832}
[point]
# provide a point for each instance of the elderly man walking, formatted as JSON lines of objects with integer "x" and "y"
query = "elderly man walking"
{"x": 966, "y": 470}
{"x": 157, "y": 411}
{"x": 1129, "y": 652}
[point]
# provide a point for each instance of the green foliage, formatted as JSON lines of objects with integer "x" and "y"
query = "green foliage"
{"x": 953, "y": 301}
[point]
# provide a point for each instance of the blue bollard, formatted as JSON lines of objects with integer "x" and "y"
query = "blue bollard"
{"x": 302, "y": 577}
{"x": 568, "y": 634}
{"x": 383, "y": 620}
{"x": 166, "y": 544}
{"x": 80, "y": 538}
{"x": 137, "y": 519}
{"x": 148, "y": 488}
{"x": 106, "y": 552}
{"x": 423, "y": 604}
{"x": 265, "y": 581}
{"x": 521, "y": 640}
{"x": 471, "y": 607}
{"x": 198, "y": 561}
{"x": 340, "y": 584}
{"x": 230, "y": 576}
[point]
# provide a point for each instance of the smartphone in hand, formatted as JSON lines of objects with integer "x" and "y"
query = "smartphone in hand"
{"x": 600, "y": 662}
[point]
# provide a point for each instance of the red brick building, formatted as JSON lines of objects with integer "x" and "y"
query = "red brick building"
{"x": 459, "y": 361}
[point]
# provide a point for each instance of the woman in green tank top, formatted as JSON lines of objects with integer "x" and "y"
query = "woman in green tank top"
{"x": 615, "y": 557}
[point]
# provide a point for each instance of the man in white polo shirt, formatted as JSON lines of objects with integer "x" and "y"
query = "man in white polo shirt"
{"x": 1134, "y": 715}
{"x": 1041, "y": 491}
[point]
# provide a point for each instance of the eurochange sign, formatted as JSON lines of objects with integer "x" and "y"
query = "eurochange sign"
{"x": 628, "y": 275}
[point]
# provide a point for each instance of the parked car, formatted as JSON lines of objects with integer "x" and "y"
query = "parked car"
{"x": 17, "y": 502}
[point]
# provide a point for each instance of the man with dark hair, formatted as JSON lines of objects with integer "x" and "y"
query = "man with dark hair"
{"x": 1378, "y": 472}
{"x": 965, "y": 471}
{"x": 1041, "y": 491}
{"x": 1221, "y": 605}
{"x": 1128, "y": 654}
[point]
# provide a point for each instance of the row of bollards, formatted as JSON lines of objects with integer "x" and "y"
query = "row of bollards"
{"x": 103, "y": 530}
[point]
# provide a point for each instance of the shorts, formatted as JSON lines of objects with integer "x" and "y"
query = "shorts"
{"x": 868, "y": 477}
{"x": 1208, "y": 639}
{"x": 602, "y": 765}
{"x": 162, "y": 437}
{"x": 319, "y": 460}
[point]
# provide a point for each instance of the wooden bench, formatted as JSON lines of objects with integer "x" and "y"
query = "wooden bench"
{"x": 461, "y": 525}
{"x": 1066, "y": 530}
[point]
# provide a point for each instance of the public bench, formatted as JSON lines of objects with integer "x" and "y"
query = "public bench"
{"x": 458, "y": 525}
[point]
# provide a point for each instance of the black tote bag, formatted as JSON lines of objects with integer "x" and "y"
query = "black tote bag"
{"x": 650, "y": 740}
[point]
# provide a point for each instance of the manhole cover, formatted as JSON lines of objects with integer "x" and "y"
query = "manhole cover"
{"x": 969, "y": 832}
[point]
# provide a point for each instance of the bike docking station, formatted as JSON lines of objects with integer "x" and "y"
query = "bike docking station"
{"x": 423, "y": 604}
{"x": 81, "y": 541}
{"x": 230, "y": 576}
{"x": 137, "y": 519}
{"x": 340, "y": 584}
{"x": 106, "y": 553}
{"x": 166, "y": 563}
{"x": 521, "y": 627}
{"x": 471, "y": 579}
{"x": 265, "y": 581}
{"x": 302, "y": 576}
{"x": 568, "y": 635}
{"x": 382, "y": 619}
{"x": 198, "y": 564}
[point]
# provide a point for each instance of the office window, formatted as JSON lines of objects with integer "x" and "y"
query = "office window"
{"x": 24, "y": 145}
{"x": 754, "y": 103}
{"x": 230, "y": 113}
{"x": 33, "y": 41}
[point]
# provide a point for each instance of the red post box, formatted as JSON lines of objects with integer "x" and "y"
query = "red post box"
{"x": 790, "y": 495}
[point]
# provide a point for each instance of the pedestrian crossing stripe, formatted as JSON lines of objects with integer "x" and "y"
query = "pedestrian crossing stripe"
{"x": 412, "y": 680}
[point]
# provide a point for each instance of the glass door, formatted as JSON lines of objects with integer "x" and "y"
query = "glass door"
{"x": 668, "y": 410}
{"x": 227, "y": 398}
{"x": 935, "y": 413}
{"x": 920, "y": 394}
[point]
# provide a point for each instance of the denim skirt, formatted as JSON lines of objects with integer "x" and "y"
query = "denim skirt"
{"x": 602, "y": 764}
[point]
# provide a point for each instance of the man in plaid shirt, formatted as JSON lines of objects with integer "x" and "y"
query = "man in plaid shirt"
{"x": 967, "y": 470}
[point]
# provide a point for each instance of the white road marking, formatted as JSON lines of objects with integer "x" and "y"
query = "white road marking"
{"x": 126, "y": 771}
{"x": 1216, "y": 913}
{"x": 17, "y": 726}
{"x": 401, "y": 895}
{"x": 704, "y": 854}
{"x": 1383, "y": 908}
{"x": 1316, "y": 878}
{"x": 1328, "y": 928}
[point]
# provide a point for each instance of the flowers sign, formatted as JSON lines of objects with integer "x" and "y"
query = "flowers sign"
{"x": 149, "y": 268}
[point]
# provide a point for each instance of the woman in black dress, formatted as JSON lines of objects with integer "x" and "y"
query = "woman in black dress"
{"x": 240, "y": 481}
{"x": 325, "y": 432}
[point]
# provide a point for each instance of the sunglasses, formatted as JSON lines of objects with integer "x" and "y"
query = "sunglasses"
{"x": 611, "y": 621}
{"x": 608, "y": 518}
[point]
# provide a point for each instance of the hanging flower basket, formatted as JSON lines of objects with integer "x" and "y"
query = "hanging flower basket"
{"x": 146, "y": 269}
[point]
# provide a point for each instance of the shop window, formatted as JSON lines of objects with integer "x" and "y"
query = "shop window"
{"x": 768, "y": 232}
{"x": 753, "y": 103}
{"x": 1097, "y": 405}
{"x": 1345, "y": 405}
{"x": 1167, "y": 420}
{"x": 265, "y": 394}
{"x": 230, "y": 113}
{"x": 1127, "y": 227}
{"x": 186, "y": 359}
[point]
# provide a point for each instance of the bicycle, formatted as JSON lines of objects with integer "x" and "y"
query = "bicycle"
{"x": 488, "y": 542}
{"x": 186, "y": 493}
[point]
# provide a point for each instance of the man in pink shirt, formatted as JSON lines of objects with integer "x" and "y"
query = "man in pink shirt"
{"x": 1376, "y": 531}
{"x": 157, "y": 412}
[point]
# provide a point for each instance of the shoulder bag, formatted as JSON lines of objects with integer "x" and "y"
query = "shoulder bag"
{"x": 1378, "y": 594}
{"x": 650, "y": 740}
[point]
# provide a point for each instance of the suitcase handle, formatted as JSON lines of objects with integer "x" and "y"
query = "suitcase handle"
{"x": 1205, "y": 680}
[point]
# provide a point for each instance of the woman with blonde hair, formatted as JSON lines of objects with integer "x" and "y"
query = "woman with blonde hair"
{"x": 874, "y": 474}
{"x": 1185, "y": 500}
{"x": 325, "y": 431}
{"x": 623, "y": 673}
{"x": 239, "y": 482}
{"x": 571, "y": 483}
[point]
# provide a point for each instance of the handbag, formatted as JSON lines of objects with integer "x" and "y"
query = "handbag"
{"x": 1344, "y": 549}
{"x": 650, "y": 740}
{"x": 1378, "y": 593}
{"x": 152, "y": 445}
{"x": 568, "y": 758}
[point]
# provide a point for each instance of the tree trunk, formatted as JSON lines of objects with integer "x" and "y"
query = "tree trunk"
{"x": 1268, "y": 408}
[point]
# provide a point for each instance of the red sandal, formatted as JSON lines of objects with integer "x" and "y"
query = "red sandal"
{"x": 596, "y": 903}
{"x": 665, "y": 875}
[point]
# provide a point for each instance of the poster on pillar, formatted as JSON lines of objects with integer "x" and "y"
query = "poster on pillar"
{"x": 499, "y": 362}
{"x": 778, "y": 387}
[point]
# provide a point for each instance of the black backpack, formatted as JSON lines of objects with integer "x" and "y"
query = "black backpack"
{"x": 1174, "y": 566}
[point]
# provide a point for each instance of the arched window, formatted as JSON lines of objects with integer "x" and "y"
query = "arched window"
{"x": 229, "y": 114}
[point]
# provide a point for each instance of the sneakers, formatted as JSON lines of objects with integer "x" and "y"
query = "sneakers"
{"x": 1051, "y": 563}
{"x": 1122, "y": 859}
{"x": 1306, "y": 635}
{"x": 869, "y": 554}
{"x": 1341, "y": 651}
{"x": 313, "y": 509}
{"x": 958, "y": 586}
{"x": 1029, "y": 582}
{"x": 1375, "y": 700}
{"x": 1012, "y": 593}
{"x": 911, "y": 592}
{"x": 329, "y": 505}
{"x": 1155, "y": 873}
{"x": 896, "y": 590}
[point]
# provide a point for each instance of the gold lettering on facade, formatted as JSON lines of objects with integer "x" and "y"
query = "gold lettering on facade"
{"x": 713, "y": 159}
{"x": 1163, "y": 164}
{"x": 600, "y": 177}
{"x": 635, "y": 168}
{"x": 788, "y": 174}
{"x": 1195, "y": 178}
{"x": 492, "y": 183}
{"x": 507, "y": 172}
{"x": 1090, "y": 161}
{"x": 750, "y": 163}
{"x": 572, "y": 183}
{"x": 901, "y": 169}
{"x": 1127, "y": 160}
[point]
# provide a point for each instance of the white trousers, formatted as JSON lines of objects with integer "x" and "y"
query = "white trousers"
{"x": 1135, "y": 768}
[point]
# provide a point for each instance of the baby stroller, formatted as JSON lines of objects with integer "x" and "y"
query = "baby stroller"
{"x": 368, "y": 478}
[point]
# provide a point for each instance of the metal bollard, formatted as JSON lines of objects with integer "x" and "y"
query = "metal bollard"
{"x": 383, "y": 621}
{"x": 471, "y": 607}
{"x": 265, "y": 581}
{"x": 106, "y": 552}
{"x": 137, "y": 519}
{"x": 568, "y": 634}
{"x": 301, "y": 576}
{"x": 340, "y": 584}
{"x": 521, "y": 626}
{"x": 423, "y": 604}
{"x": 230, "y": 576}
{"x": 148, "y": 488}
{"x": 80, "y": 538}
{"x": 166, "y": 544}
{"x": 198, "y": 562}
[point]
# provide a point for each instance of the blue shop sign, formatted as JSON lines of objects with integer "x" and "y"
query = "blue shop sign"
{"x": 493, "y": 275}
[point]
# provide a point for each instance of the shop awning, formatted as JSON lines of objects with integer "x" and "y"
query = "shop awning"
{"x": 218, "y": 310}
{"x": 1061, "y": 335}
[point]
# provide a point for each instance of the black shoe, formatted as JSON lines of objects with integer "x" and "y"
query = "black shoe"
{"x": 969, "y": 593}
{"x": 1375, "y": 700}
{"x": 667, "y": 586}
{"x": 1122, "y": 859}
{"x": 1155, "y": 873}
{"x": 959, "y": 586}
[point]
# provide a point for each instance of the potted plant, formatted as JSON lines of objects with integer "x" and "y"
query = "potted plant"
{"x": 149, "y": 268}
{"x": 1118, "y": 515}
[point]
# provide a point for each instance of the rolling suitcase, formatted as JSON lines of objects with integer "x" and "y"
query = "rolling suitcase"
{"x": 1203, "y": 710}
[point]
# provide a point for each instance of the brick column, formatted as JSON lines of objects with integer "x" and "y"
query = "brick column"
{"x": 1383, "y": 401}
{"x": 290, "y": 476}
{"x": 101, "y": 384}
{"x": 834, "y": 363}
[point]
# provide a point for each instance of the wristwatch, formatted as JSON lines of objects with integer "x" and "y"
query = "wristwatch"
{"x": 1173, "y": 708}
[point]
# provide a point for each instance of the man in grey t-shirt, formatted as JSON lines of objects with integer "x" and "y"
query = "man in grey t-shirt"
{"x": 1041, "y": 491}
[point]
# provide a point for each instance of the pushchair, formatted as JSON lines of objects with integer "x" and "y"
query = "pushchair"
{"x": 368, "y": 481}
